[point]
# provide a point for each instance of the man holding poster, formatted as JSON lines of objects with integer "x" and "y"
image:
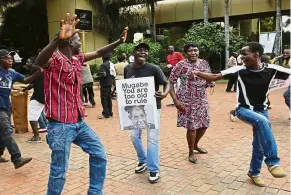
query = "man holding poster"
{"x": 140, "y": 68}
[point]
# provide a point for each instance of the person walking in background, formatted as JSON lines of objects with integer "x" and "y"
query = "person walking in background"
{"x": 119, "y": 67}
{"x": 106, "y": 80}
{"x": 172, "y": 59}
{"x": 87, "y": 86}
{"x": 254, "y": 80}
{"x": 191, "y": 98}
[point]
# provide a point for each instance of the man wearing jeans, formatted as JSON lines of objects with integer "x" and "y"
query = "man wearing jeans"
{"x": 64, "y": 109}
{"x": 7, "y": 78}
{"x": 140, "y": 68}
{"x": 253, "y": 89}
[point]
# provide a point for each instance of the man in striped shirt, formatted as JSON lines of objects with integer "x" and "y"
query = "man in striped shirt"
{"x": 253, "y": 89}
{"x": 62, "y": 62}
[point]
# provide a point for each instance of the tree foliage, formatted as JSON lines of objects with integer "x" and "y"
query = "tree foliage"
{"x": 154, "y": 53}
{"x": 25, "y": 25}
{"x": 210, "y": 39}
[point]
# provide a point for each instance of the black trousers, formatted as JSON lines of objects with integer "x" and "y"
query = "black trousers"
{"x": 232, "y": 81}
{"x": 106, "y": 101}
{"x": 88, "y": 90}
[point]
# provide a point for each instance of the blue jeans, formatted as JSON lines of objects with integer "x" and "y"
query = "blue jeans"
{"x": 42, "y": 121}
{"x": 264, "y": 143}
{"x": 60, "y": 137}
{"x": 152, "y": 158}
{"x": 287, "y": 97}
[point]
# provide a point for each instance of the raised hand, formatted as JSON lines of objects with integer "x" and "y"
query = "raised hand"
{"x": 123, "y": 36}
{"x": 67, "y": 27}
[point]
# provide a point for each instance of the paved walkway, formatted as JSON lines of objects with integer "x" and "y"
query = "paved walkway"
{"x": 222, "y": 171}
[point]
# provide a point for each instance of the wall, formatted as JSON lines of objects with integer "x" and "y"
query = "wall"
{"x": 57, "y": 9}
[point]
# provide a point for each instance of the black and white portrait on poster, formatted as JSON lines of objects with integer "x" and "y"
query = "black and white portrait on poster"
{"x": 137, "y": 103}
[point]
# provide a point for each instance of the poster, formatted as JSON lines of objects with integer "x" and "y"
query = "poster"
{"x": 267, "y": 40}
{"x": 277, "y": 84}
{"x": 137, "y": 103}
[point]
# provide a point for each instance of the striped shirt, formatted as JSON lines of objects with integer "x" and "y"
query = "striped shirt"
{"x": 62, "y": 80}
{"x": 254, "y": 85}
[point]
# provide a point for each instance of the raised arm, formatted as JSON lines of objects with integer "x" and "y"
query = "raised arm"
{"x": 67, "y": 30}
{"x": 106, "y": 49}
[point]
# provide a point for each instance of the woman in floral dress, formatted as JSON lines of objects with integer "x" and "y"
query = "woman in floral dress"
{"x": 191, "y": 98}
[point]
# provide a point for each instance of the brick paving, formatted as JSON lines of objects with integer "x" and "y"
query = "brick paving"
{"x": 221, "y": 171}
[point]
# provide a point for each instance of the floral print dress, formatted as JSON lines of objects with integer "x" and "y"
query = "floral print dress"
{"x": 192, "y": 94}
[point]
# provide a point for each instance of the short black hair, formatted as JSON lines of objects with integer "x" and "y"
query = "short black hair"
{"x": 256, "y": 47}
{"x": 107, "y": 56}
{"x": 188, "y": 45}
{"x": 121, "y": 58}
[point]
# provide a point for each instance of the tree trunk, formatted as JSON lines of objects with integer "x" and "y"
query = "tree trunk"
{"x": 205, "y": 10}
{"x": 226, "y": 27}
{"x": 153, "y": 20}
{"x": 114, "y": 17}
{"x": 277, "y": 44}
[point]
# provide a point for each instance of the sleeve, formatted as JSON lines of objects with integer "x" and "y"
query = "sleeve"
{"x": 176, "y": 72}
{"x": 180, "y": 57}
{"x": 232, "y": 70}
{"x": 209, "y": 83}
{"x": 167, "y": 60}
{"x": 81, "y": 58}
{"x": 17, "y": 76}
{"x": 281, "y": 72}
{"x": 160, "y": 77}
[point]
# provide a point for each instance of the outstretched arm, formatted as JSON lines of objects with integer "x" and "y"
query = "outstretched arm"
{"x": 208, "y": 76}
{"x": 107, "y": 49}
{"x": 31, "y": 78}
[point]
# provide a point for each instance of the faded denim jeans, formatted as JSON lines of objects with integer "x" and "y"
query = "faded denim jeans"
{"x": 152, "y": 158}
{"x": 264, "y": 143}
{"x": 60, "y": 137}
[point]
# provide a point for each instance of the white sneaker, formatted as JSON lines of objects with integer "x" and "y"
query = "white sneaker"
{"x": 154, "y": 177}
{"x": 141, "y": 167}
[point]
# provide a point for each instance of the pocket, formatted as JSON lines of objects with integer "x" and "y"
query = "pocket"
{"x": 67, "y": 74}
{"x": 56, "y": 136}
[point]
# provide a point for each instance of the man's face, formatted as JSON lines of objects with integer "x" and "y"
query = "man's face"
{"x": 192, "y": 54}
{"x": 286, "y": 54}
{"x": 141, "y": 55}
{"x": 170, "y": 49}
{"x": 7, "y": 62}
{"x": 76, "y": 44}
{"x": 139, "y": 117}
{"x": 249, "y": 58}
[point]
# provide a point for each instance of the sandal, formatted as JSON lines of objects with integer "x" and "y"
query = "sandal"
{"x": 192, "y": 159}
{"x": 3, "y": 160}
{"x": 201, "y": 150}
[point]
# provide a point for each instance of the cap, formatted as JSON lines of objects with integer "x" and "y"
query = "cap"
{"x": 142, "y": 45}
{"x": 4, "y": 52}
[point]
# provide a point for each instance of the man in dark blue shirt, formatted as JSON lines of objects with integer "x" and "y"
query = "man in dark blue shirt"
{"x": 7, "y": 78}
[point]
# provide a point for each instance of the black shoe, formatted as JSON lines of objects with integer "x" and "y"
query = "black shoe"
{"x": 141, "y": 167}
{"x": 154, "y": 177}
{"x": 22, "y": 162}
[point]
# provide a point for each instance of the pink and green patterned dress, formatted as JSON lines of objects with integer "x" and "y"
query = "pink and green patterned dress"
{"x": 192, "y": 94}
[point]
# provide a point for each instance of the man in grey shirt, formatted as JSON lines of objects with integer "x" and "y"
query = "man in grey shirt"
{"x": 87, "y": 85}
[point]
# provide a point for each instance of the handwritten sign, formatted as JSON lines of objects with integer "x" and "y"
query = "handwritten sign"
{"x": 277, "y": 84}
{"x": 137, "y": 103}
